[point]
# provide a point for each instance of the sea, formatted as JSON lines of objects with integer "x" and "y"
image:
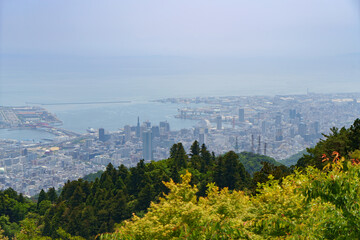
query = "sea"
{"x": 42, "y": 79}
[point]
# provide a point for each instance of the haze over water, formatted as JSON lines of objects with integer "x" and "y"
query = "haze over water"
{"x": 53, "y": 79}
{"x": 87, "y": 51}
{"x": 58, "y": 79}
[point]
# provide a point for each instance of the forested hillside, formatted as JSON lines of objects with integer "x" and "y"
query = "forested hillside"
{"x": 292, "y": 160}
{"x": 319, "y": 200}
{"x": 254, "y": 162}
{"x": 89, "y": 207}
{"x": 313, "y": 204}
{"x": 201, "y": 196}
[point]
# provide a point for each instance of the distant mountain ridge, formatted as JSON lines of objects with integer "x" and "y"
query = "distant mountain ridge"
{"x": 252, "y": 161}
{"x": 293, "y": 159}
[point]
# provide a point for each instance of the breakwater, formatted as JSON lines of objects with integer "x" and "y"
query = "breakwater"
{"x": 78, "y": 103}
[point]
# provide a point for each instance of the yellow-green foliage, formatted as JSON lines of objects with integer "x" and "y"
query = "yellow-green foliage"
{"x": 2, "y": 235}
{"x": 355, "y": 154}
{"x": 31, "y": 231}
{"x": 180, "y": 215}
{"x": 310, "y": 205}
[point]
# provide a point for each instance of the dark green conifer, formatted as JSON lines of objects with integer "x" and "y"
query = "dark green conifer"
{"x": 123, "y": 172}
{"x": 181, "y": 157}
{"x": 173, "y": 151}
{"x": 42, "y": 197}
{"x": 21, "y": 198}
{"x": 195, "y": 149}
{"x": 78, "y": 197}
{"x": 51, "y": 195}
{"x": 146, "y": 195}
{"x": 206, "y": 159}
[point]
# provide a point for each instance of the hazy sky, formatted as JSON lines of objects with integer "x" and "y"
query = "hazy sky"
{"x": 180, "y": 27}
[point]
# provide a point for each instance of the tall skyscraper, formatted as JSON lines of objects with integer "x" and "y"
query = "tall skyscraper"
{"x": 316, "y": 127}
{"x": 155, "y": 131}
{"x": 292, "y": 132}
{"x": 127, "y": 131}
{"x": 165, "y": 126}
{"x": 263, "y": 127}
{"x": 196, "y": 132}
{"x": 147, "y": 124}
{"x": 302, "y": 129}
{"x": 24, "y": 152}
{"x": 279, "y": 135}
{"x": 292, "y": 113}
{"x": 88, "y": 142}
{"x": 278, "y": 120}
{"x": 218, "y": 122}
{"x": 241, "y": 115}
{"x": 102, "y": 135}
{"x": 147, "y": 145}
{"x": 138, "y": 128}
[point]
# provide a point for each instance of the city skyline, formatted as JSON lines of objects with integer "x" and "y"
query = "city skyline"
{"x": 277, "y": 127}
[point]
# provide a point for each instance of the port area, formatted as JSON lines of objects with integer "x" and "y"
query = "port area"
{"x": 32, "y": 117}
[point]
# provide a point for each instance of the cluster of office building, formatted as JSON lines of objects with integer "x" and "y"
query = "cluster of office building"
{"x": 277, "y": 126}
{"x": 28, "y": 168}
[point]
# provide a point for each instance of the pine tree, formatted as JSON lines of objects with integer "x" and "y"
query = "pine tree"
{"x": 181, "y": 157}
{"x": 206, "y": 162}
{"x": 21, "y": 198}
{"x": 173, "y": 151}
{"x": 196, "y": 162}
{"x": 51, "y": 195}
{"x": 118, "y": 207}
{"x": 42, "y": 197}
{"x": 235, "y": 175}
{"x": 195, "y": 149}
{"x": 146, "y": 195}
{"x": 135, "y": 177}
{"x": 123, "y": 172}
{"x": 219, "y": 173}
{"x": 78, "y": 197}
{"x": 354, "y": 135}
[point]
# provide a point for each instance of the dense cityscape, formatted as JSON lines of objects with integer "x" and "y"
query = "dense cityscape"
{"x": 277, "y": 126}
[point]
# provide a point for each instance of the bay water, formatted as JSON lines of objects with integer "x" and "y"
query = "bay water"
{"x": 27, "y": 80}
